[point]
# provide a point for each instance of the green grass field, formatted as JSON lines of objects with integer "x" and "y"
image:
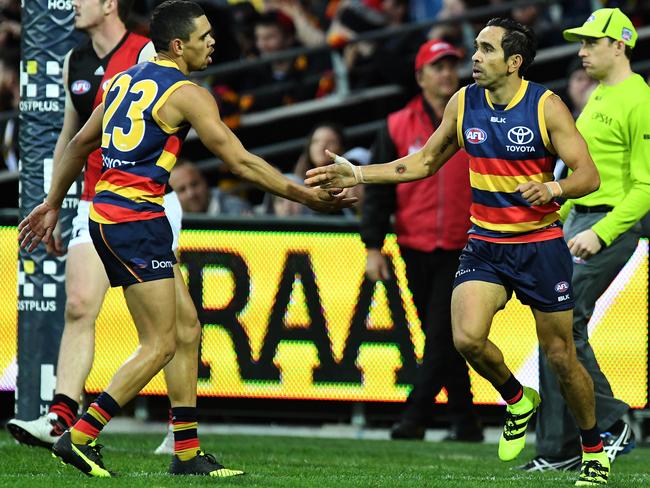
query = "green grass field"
{"x": 303, "y": 462}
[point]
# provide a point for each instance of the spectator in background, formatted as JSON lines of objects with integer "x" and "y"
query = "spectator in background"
{"x": 326, "y": 135}
{"x": 244, "y": 15}
{"x": 308, "y": 31}
{"x": 286, "y": 81}
{"x": 579, "y": 87}
{"x": 460, "y": 34}
{"x": 574, "y": 11}
{"x": 196, "y": 197}
{"x": 378, "y": 62}
{"x": 602, "y": 229}
{"x": 431, "y": 223}
{"x": 537, "y": 18}
{"x": 10, "y": 26}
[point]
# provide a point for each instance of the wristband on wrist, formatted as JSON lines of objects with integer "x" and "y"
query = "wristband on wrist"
{"x": 554, "y": 188}
{"x": 356, "y": 170}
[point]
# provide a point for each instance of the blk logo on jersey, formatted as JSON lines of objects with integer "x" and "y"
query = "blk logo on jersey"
{"x": 475, "y": 135}
{"x": 80, "y": 87}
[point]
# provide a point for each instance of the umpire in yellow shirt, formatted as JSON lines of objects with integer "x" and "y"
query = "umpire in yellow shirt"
{"x": 602, "y": 228}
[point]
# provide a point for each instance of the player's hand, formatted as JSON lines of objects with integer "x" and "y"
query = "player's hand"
{"x": 535, "y": 193}
{"x": 37, "y": 226}
{"x": 330, "y": 200}
{"x": 376, "y": 266}
{"x": 585, "y": 244}
{"x": 55, "y": 245}
{"x": 341, "y": 174}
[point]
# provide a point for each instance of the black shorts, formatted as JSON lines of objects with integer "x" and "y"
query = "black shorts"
{"x": 135, "y": 252}
{"x": 538, "y": 272}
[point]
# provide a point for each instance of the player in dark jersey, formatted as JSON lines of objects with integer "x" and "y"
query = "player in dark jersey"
{"x": 146, "y": 113}
{"x": 108, "y": 50}
{"x": 510, "y": 128}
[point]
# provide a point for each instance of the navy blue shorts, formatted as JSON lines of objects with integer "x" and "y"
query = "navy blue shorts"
{"x": 135, "y": 252}
{"x": 538, "y": 272}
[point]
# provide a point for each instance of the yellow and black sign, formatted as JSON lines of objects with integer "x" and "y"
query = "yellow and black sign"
{"x": 290, "y": 315}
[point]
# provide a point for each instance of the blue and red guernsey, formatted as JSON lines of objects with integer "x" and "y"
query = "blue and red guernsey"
{"x": 138, "y": 148}
{"x": 507, "y": 147}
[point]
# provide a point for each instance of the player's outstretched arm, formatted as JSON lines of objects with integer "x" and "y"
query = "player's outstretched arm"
{"x": 441, "y": 146}
{"x": 197, "y": 106}
{"x": 39, "y": 224}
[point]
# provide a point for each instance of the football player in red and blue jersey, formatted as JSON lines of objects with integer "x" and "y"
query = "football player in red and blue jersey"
{"x": 512, "y": 129}
{"x": 145, "y": 115}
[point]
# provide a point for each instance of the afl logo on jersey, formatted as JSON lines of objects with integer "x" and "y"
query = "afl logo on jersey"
{"x": 80, "y": 87}
{"x": 561, "y": 287}
{"x": 475, "y": 135}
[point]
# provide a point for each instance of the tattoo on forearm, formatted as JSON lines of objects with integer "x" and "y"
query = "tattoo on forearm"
{"x": 400, "y": 169}
{"x": 446, "y": 143}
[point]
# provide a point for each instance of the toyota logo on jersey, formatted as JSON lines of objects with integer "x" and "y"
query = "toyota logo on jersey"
{"x": 520, "y": 135}
{"x": 80, "y": 87}
{"x": 475, "y": 135}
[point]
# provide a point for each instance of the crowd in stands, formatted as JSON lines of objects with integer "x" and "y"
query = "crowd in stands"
{"x": 259, "y": 29}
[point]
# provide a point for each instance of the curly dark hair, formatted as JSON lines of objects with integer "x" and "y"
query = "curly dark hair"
{"x": 518, "y": 39}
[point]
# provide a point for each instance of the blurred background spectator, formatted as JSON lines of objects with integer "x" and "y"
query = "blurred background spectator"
{"x": 307, "y": 26}
{"x": 196, "y": 197}
{"x": 329, "y": 135}
{"x": 579, "y": 87}
{"x": 10, "y": 23}
{"x": 326, "y": 135}
{"x": 286, "y": 81}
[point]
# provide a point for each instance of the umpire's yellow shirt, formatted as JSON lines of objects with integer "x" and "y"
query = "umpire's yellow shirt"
{"x": 616, "y": 125}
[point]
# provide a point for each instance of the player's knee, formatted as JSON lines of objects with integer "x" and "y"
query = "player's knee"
{"x": 194, "y": 332}
{"x": 164, "y": 351}
{"x": 469, "y": 347}
{"x": 189, "y": 327}
{"x": 558, "y": 357}
{"x": 79, "y": 306}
